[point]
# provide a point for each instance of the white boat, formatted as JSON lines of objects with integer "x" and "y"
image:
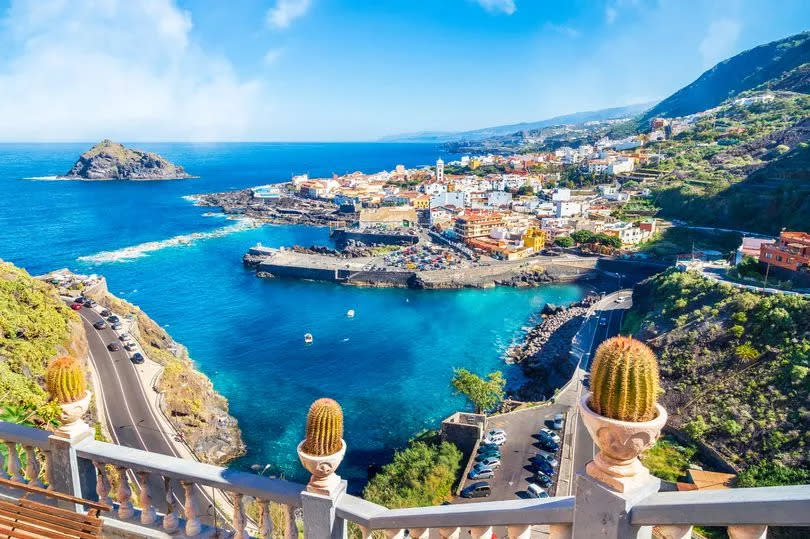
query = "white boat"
{"x": 350, "y": 313}
{"x": 308, "y": 338}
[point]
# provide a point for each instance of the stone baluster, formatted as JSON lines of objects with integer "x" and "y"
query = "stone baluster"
{"x": 365, "y": 532}
{"x": 193, "y": 524}
{"x": 13, "y": 467}
{"x": 32, "y": 466}
{"x": 419, "y": 533}
{"x": 560, "y": 531}
{"x": 124, "y": 495}
{"x": 520, "y": 531}
{"x": 49, "y": 469}
{"x": 148, "y": 513}
{"x": 449, "y": 533}
{"x": 290, "y": 529}
{"x": 102, "y": 483}
{"x": 393, "y": 534}
{"x": 170, "y": 522}
{"x": 239, "y": 521}
{"x": 748, "y": 531}
{"x": 674, "y": 531}
{"x": 265, "y": 519}
{"x": 481, "y": 532}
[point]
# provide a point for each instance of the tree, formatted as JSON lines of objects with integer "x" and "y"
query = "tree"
{"x": 525, "y": 190}
{"x": 482, "y": 393}
{"x": 582, "y": 236}
{"x": 564, "y": 241}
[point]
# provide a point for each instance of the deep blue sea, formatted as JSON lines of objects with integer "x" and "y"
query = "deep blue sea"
{"x": 389, "y": 367}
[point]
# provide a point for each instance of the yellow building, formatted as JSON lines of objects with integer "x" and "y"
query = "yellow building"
{"x": 421, "y": 202}
{"x": 534, "y": 238}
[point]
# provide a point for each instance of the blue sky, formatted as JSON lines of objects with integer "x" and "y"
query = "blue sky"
{"x": 350, "y": 70}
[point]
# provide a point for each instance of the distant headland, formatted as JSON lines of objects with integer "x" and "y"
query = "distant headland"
{"x": 109, "y": 160}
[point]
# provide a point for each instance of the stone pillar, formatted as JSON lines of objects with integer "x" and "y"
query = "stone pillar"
{"x": 601, "y": 512}
{"x": 66, "y": 473}
{"x": 320, "y": 521}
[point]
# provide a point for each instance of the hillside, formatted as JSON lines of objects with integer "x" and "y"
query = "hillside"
{"x": 500, "y": 130}
{"x": 35, "y": 327}
{"x": 735, "y": 367}
{"x": 745, "y": 71}
{"x": 109, "y": 160}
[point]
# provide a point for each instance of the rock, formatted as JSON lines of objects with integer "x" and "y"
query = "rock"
{"x": 109, "y": 160}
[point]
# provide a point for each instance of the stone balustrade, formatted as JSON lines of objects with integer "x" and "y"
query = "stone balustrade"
{"x": 265, "y": 507}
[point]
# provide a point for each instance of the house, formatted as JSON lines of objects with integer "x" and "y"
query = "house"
{"x": 450, "y": 198}
{"x": 791, "y": 251}
{"x": 388, "y": 216}
{"x": 561, "y": 194}
{"x": 534, "y": 239}
{"x": 750, "y": 247}
{"x": 499, "y": 198}
{"x": 421, "y": 202}
{"x": 567, "y": 209}
{"x": 477, "y": 224}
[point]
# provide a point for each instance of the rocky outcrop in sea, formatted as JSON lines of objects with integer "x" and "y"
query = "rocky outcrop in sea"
{"x": 109, "y": 160}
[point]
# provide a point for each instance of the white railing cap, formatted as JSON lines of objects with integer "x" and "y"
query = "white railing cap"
{"x": 11, "y": 432}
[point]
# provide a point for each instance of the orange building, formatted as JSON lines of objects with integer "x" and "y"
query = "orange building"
{"x": 477, "y": 224}
{"x": 791, "y": 251}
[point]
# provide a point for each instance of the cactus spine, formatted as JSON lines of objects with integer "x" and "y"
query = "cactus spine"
{"x": 624, "y": 380}
{"x": 324, "y": 428}
{"x": 65, "y": 380}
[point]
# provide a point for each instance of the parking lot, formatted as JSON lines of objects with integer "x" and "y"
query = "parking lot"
{"x": 511, "y": 479}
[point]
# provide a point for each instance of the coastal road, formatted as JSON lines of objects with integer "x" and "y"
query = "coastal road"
{"x": 130, "y": 419}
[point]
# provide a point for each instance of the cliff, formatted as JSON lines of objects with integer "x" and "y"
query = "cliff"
{"x": 109, "y": 160}
{"x": 190, "y": 400}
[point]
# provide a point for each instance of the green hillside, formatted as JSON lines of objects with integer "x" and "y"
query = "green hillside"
{"x": 745, "y": 71}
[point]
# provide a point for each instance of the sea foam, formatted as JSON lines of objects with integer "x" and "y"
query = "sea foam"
{"x": 127, "y": 254}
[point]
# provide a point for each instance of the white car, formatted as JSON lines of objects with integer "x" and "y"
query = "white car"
{"x": 497, "y": 432}
{"x": 553, "y": 435}
{"x": 497, "y": 439}
{"x": 492, "y": 463}
{"x": 535, "y": 491}
{"x": 621, "y": 299}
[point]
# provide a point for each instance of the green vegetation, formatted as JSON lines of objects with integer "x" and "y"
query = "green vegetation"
{"x": 668, "y": 459}
{"x": 324, "y": 434}
{"x": 483, "y": 394}
{"x": 564, "y": 241}
{"x": 420, "y": 475}
{"x": 35, "y": 327}
{"x": 676, "y": 240}
{"x": 744, "y": 392}
{"x": 745, "y": 71}
{"x": 584, "y": 237}
{"x": 624, "y": 380}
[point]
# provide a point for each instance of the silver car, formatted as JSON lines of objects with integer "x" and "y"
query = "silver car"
{"x": 483, "y": 473}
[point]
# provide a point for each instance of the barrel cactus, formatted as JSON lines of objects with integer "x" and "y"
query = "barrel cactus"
{"x": 65, "y": 380}
{"x": 624, "y": 380}
{"x": 324, "y": 428}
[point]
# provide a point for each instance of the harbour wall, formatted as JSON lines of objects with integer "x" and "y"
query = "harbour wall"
{"x": 340, "y": 275}
{"x": 342, "y": 235}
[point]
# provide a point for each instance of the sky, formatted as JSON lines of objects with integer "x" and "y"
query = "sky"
{"x": 346, "y": 70}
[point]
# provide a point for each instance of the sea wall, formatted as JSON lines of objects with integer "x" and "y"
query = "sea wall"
{"x": 342, "y": 235}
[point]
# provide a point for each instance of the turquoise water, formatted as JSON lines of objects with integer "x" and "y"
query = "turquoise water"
{"x": 389, "y": 367}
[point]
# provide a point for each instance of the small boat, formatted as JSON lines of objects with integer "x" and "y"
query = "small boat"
{"x": 308, "y": 338}
{"x": 350, "y": 313}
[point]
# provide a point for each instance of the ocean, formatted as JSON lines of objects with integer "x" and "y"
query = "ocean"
{"x": 389, "y": 367}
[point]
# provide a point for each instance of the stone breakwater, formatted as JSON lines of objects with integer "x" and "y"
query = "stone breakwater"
{"x": 284, "y": 210}
{"x": 545, "y": 353}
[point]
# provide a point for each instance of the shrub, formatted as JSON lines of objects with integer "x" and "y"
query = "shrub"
{"x": 736, "y": 331}
{"x": 697, "y": 428}
{"x": 746, "y": 352}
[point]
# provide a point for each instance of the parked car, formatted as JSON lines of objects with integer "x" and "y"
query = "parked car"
{"x": 483, "y": 446}
{"x": 548, "y": 445}
{"x": 478, "y": 466}
{"x": 488, "y": 450}
{"x": 550, "y": 434}
{"x": 113, "y": 347}
{"x": 125, "y": 337}
{"x": 105, "y": 313}
{"x": 621, "y": 299}
{"x": 535, "y": 491}
{"x": 76, "y": 306}
{"x": 90, "y": 303}
{"x": 498, "y": 439}
{"x": 491, "y": 462}
{"x": 113, "y": 318}
{"x": 497, "y": 432}
{"x": 477, "y": 490}
{"x": 483, "y": 473}
{"x": 558, "y": 421}
{"x": 130, "y": 346}
{"x": 100, "y": 324}
{"x": 116, "y": 325}
{"x": 542, "y": 466}
{"x": 541, "y": 479}
{"x": 549, "y": 457}
{"x": 80, "y": 299}
{"x": 136, "y": 358}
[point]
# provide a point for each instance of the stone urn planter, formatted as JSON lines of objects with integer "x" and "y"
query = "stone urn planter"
{"x": 620, "y": 443}
{"x": 72, "y": 423}
{"x": 323, "y": 478}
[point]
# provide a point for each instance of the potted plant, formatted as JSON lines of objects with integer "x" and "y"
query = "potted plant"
{"x": 64, "y": 379}
{"x": 322, "y": 450}
{"x": 621, "y": 412}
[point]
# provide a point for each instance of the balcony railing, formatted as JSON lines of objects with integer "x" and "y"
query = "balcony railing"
{"x": 81, "y": 467}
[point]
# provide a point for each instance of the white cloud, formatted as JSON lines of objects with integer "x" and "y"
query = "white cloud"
{"x": 86, "y": 70}
{"x": 610, "y": 14}
{"x": 286, "y": 11}
{"x": 272, "y": 56}
{"x": 568, "y": 31}
{"x": 498, "y": 6}
{"x": 719, "y": 41}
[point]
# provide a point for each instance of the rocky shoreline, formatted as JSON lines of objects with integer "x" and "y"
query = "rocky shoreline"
{"x": 109, "y": 160}
{"x": 545, "y": 353}
{"x": 285, "y": 210}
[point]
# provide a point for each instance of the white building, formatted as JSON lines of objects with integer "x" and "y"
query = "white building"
{"x": 567, "y": 209}
{"x": 434, "y": 188}
{"x": 499, "y": 198}
{"x": 621, "y": 165}
{"x": 440, "y": 171}
{"x": 561, "y": 195}
{"x": 450, "y": 198}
